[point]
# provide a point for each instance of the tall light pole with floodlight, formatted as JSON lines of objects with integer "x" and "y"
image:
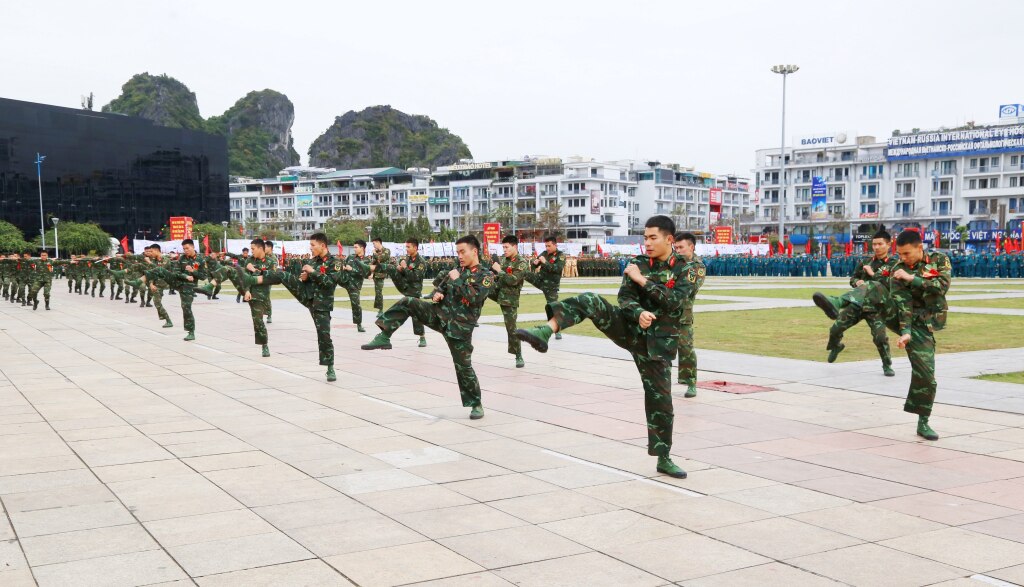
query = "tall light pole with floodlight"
{"x": 784, "y": 71}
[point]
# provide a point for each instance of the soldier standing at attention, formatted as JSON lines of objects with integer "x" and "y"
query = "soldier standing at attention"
{"x": 314, "y": 288}
{"x": 685, "y": 244}
{"x": 878, "y": 268}
{"x": 508, "y": 285}
{"x": 549, "y": 266}
{"x": 645, "y": 323}
{"x": 357, "y": 268}
{"x": 408, "y": 277}
{"x": 453, "y": 310}
{"x": 379, "y": 258}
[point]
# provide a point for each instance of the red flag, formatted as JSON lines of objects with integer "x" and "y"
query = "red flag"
{"x": 600, "y": 251}
{"x": 849, "y": 247}
{"x": 999, "y": 242}
{"x": 284, "y": 255}
{"x": 789, "y": 249}
{"x": 828, "y": 251}
{"x": 206, "y": 245}
{"x": 716, "y": 252}
{"x": 124, "y": 244}
{"x": 808, "y": 248}
{"x": 938, "y": 240}
{"x": 341, "y": 251}
{"x": 782, "y": 248}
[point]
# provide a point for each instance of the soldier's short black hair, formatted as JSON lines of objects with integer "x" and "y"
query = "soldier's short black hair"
{"x": 413, "y": 241}
{"x": 244, "y": 249}
{"x": 268, "y": 244}
{"x": 360, "y": 242}
{"x": 257, "y": 242}
{"x": 510, "y": 240}
{"x": 686, "y": 236}
{"x": 882, "y": 234}
{"x": 376, "y": 239}
{"x": 188, "y": 241}
{"x": 156, "y": 247}
{"x": 550, "y": 239}
{"x": 469, "y": 240}
{"x": 320, "y": 238}
{"x": 908, "y": 237}
{"x": 663, "y": 223}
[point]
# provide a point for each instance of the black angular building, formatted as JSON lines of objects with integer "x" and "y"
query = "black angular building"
{"x": 124, "y": 173}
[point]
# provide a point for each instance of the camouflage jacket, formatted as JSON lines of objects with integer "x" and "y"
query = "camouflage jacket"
{"x": 881, "y": 267}
{"x": 360, "y": 270}
{"x": 318, "y": 289}
{"x": 664, "y": 295}
{"x": 261, "y": 266}
{"x": 549, "y": 272}
{"x": 509, "y": 282}
{"x": 695, "y": 273}
{"x": 409, "y": 281}
{"x": 463, "y": 299}
{"x": 380, "y": 260}
{"x": 199, "y": 273}
{"x": 922, "y": 301}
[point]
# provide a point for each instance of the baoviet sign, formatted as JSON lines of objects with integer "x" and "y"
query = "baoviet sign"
{"x": 181, "y": 227}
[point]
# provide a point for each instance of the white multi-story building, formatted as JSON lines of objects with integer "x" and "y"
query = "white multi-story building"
{"x": 594, "y": 200}
{"x": 935, "y": 180}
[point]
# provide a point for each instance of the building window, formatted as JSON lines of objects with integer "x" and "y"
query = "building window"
{"x": 869, "y": 208}
{"x": 869, "y": 190}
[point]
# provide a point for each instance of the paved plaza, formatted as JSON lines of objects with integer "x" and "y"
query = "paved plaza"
{"x": 130, "y": 457}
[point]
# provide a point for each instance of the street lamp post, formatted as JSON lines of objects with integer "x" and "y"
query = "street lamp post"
{"x": 56, "y": 241}
{"x": 783, "y": 70}
{"x": 39, "y": 176}
{"x": 224, "y": 243}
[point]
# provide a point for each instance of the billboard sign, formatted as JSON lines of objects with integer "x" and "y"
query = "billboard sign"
{"x": 492, "y": 233}
{"x": 971, "y": 141}
{"x": 181, "y": 227}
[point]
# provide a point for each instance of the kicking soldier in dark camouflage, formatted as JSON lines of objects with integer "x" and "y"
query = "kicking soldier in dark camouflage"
{"x": 453, "y": 311}
{"x": 876, "y": 268}
{"x": 183, "y": 275}
{"x": 314, "y": 288}
{"x": 258, "y": 296}
{"x": 355, "y": 270}
{"x": 695, "y": 274}
{"x": 157, "y": 287}
{"x": 508, "y": 285}
{"x": 869, "y": 302}
{"x": 645, "y": 323}
{"x": 407, "y": 274}
{"x": 547, "y": 272}
{"x": 379, "y": 258}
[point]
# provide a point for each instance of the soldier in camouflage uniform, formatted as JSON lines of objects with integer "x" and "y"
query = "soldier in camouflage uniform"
{"x": 407, "y": 274}
{"x": 117, "y": 268}
{"x": 646, "y": 323}
{"x": 42, "y": 278}
{"x": 357, "y": 268}
{"x": 258, "y": 296}
{"x": 156, "y": 288}
{"x": 684, "y": 246}
{"x": 183, "y": 274}
{"x": 313, "y": 285}
{"x": 876, "y": 268}
{"x": 6, "y": 271}
{"x": 380, "y": 257}
{"x": 508, "y": 286}
{"x": 453, "y": 311}
{"x": 241, "y": 260}
{"x": 546, "y": 274}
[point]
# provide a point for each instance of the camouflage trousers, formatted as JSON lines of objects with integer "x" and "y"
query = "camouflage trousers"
{"x": 321, "y": 317}
{"x": 40, "y": 284}
{"x": 655, "y": 367}
{"x": 117, "y": 280}
{"x": 378, "y": 294}
{"x": 186, "y": 293}
{"x": 158, "y": 301}
{"x": 921, "y": 352}
{"x": 868, "y": 303}
{"x": 259, "y": 307}
{"x": 357, "y": 308}
{"x": 432, "y": 316}
{"x": 687, "y": 356}
{"x": 510, "y": 314}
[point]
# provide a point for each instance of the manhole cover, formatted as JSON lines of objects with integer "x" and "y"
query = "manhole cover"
{"x": 729, "y": 387}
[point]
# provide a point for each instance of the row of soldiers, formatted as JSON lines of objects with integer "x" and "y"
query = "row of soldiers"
{"x": 762, "y": 266}
{"x": 1009, "y": 265}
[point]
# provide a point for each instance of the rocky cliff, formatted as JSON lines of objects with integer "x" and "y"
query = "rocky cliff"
{"x": 259, "y": 132}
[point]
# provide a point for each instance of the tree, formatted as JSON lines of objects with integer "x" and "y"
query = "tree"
{"x": 215, "y": 232}
{"x": 345, "y": 229}
{"x": 503, "y": 216}
{"x": 551, "y": 220}
{"x": 11, "y": 239}
{"x": 382, "y": 227}
{"x": 80, "y": 238}
{"x": 448, "y": 235}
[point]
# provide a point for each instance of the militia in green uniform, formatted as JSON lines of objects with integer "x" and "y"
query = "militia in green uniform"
{"x": 258, "y": 296}
{"x": 41, "y": 279}
{"x": 357, "y": 268}
{"x": 547, "y": 272}
{"x": 875, "y": 268}
{"x": 313, "y": 286}
{"x": 157, "y": 287}
{"x": 407, "y": 274}
{"x": 508, "y": 286}
{"x": 183, "y": 275}
{"x": 453, "y": 310}
{"x": 645, "y": 323}
{"x": 695, "y": 272}
{"x": 379, "y": 258}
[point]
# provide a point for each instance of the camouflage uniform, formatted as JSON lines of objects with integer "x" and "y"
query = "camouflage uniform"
{"x": 409, "y": 281}
{"x": 317, "y": 294}
{"x": 508, "y": 286}
{"x": 882, "y": 268}
{"x": 548, "y": 276}
{"x": 117, "y": 267}
{"x": 161, "y": 285}
{"x": 42, "y": 278}
{"x": 652, "y": 349}
{"x": 354, "y": 283}
{"x": 695, "y": 273}
{"x": 454, "y": 317}
{"x": 920, "y": 310}
{"x": 174, "y": 274}
{"x": 379, "y": 259}
{"x": 259, "y": 304}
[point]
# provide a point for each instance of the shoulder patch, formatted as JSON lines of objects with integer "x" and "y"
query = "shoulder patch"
{"x": 487, "y": 281}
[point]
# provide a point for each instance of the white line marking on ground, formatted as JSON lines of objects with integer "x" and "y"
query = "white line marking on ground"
{"x": 993, "y": 581}
{"x": 403, "y": 408}
{"x": 626, "y": 474}
{"x": 210, "y": 349}
{"x": 288, "y": 373}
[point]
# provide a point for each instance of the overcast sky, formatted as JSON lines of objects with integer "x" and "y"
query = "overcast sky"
{"x": 684, "y": 82}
